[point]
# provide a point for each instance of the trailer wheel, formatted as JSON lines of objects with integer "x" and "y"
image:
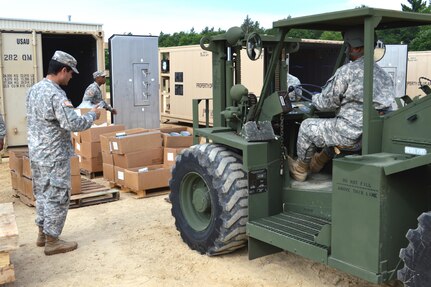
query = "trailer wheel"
{"x": 210, "y": 199}
{"x": 417, "y": 255}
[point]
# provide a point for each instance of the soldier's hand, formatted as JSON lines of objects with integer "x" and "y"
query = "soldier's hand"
{"x": 96, "y": 110}
{"x": 1, "y": 143}
{"x": 114, "y": 111}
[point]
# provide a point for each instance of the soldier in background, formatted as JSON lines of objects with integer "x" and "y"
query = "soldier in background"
{"x": 50, "y": 119}
{"x": 93, "y": 94}
{"x": 344, "y": 93}
{"x": 2, "y": 132}
{"x": 294, "y": 82}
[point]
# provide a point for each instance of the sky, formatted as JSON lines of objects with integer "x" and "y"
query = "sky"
{"x": 143, "y": 17}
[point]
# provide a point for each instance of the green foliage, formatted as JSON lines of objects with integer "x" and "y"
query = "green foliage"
{"x": 414, "y": 36}
{"x": 330, "y": 35}
{"x": 183, "y": 38}
{"x": 304, "y": 34}
{"x": 417, "y": 37}
{"x": 422, "y": 42}
{"x": 249, "y": 26}
{"x": 107, "y": 61}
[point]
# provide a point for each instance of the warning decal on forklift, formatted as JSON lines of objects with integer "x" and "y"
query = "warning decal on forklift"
{"x": 257, "y": 181}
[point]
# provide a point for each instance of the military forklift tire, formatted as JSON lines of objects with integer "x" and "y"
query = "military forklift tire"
{"x": 417, "y": 255}
{"x": 210, "y": 199}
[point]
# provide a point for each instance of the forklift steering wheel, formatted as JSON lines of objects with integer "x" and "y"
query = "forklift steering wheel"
{"x": 309, "y": 89}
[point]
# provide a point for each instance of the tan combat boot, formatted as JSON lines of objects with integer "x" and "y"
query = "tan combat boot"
{"x": 40, "y": 238}
{"x": 298, "y": 169}
{"x": 318, "y": 161}
{"x": 55, "y": 246}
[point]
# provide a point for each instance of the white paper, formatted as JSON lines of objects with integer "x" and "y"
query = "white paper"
{"x": 115, "y": 145}
{"x": 170, "y": 156}
{"x": 120, "y": 175}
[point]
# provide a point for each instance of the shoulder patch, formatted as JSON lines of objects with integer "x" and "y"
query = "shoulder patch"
{"x": 67, "y": 103}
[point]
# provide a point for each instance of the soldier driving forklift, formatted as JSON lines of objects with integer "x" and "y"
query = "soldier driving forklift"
{"x": 235, "y": 190}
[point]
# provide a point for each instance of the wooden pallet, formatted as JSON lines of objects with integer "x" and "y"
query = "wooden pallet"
{"x": 7, "y": 270}
{"x": 25, "y": 199}
{"x": 93, "y": 193}
{"x": 90, "y": 174}
{"x": 142, "y": 193}
{"x": 8, "y": 242}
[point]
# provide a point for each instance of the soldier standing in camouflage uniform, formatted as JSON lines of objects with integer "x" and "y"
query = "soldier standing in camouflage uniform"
{"x": 2, "y": 132}
{"x": 343, "y": 93}
{"x": 93, "y": 94}
{"x": 50, "y": 119}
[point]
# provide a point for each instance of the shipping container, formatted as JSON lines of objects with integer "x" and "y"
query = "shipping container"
{"x": 186, "y": 74}
{"x": 26, "y": 47}
{"x": 418, "y": 66}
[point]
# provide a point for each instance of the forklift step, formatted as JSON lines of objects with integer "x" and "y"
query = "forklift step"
{"x": 302, "y": 234}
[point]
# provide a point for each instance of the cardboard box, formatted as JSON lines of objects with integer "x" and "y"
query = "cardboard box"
{"x": 103, "y": 115}
{"x": 174, "y": 128}
{"x": 76, "y": 137}
{"x": 119, "y": 176}
{"x": 27, "y": 187}
{"x": 107, "y": 158}
{"x": 88, "y": 149}
{"x": 155, "y": 177}
{"x": 15, "y": 161}
{"x": 177, "y": 141}
{"x": 170, "y": 154}
{"x": 26, "y": 168}
{"x": 136, "y": 142}
{"x": 148, "y": 156}
{"x": 91, "y": 164}
{"x": 93, "y": 133}
{"x": 105, "y": 138}
{"x": 75, "y": 183}
{"x": 108, "y": 172}
{"x": 14, "y": 180}
{"x": 74, "y": 165}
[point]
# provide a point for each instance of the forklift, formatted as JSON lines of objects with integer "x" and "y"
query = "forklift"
{"x": 367, "y": 214}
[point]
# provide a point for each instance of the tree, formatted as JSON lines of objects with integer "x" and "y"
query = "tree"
{"x": 416, "y": 6}
{"x": 249, "y": 26}
{"x": 409, "y": 35}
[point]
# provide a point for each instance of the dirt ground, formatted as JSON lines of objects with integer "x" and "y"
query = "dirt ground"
{"x": 133, "y": 242}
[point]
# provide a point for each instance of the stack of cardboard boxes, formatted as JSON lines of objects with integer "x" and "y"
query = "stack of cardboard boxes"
{"x": 16, "y": 171}
{"x": 139, "y": 159}
{"x": 21, "y": 175}
{"x": 173, "y": 145}
{"x": 88, "y": 148}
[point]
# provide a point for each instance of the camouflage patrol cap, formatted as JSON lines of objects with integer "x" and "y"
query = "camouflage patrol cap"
{"x": 99, "y": 74}
{"x": 355, "y": 37}
{"x": 66, "y": 59}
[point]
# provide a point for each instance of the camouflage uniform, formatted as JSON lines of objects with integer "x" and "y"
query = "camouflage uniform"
{"x": 294, "y": 81}
{"x": 50, "y": 119}
{"x": 2, "y": 127}
{"x": 93, "y": 96}
{"x": 343, "y": 92}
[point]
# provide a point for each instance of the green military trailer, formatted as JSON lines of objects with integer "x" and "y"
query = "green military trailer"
{"x": 235, "y": 190}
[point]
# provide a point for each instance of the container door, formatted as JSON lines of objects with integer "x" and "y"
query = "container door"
{"x": 135, "y": 80}
{"x": 21, "y": 69}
